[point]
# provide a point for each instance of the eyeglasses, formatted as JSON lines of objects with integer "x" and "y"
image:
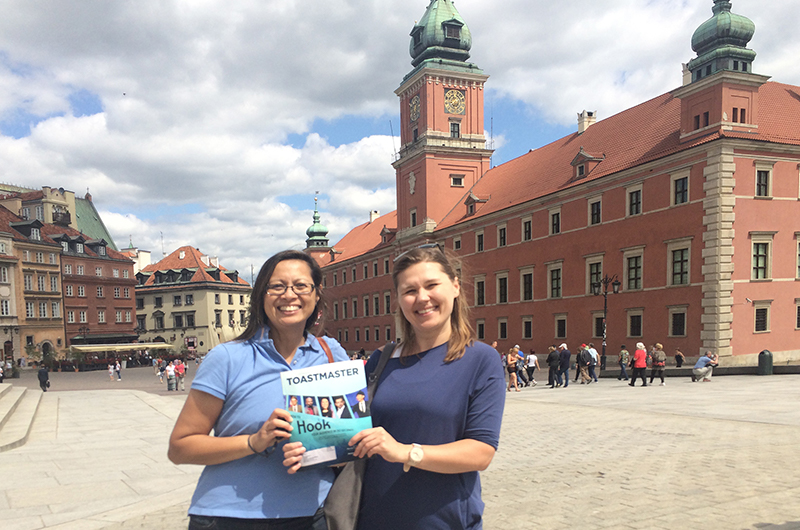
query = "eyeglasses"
{"x": 277, "y": 289}
{"x": 426, "y": 245}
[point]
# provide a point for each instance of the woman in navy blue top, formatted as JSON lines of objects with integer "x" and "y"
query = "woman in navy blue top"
{"x": 237, "y": 392}
{"x": 437, "y": 410}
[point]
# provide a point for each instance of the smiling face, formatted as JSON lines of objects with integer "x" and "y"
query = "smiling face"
{"x": 289, "y": 311}
{"x": 339, "y": 402}
{"x": 426, "y": 296}
{"x": 324, "y": 403}
{"x": 309, "y": 402}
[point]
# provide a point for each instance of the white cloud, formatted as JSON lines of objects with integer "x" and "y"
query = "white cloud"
{"x": 201, "y": 98}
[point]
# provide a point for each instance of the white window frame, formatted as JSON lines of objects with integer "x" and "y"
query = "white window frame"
{"x": 763, "y": 165}
{"x": 551, "y": 266}
{"x": 675, "y": 177}
{"x": 593, "y": 259}
{"x": 679, "y": 244}
{"x": 479, "y": 279}
{"x": 5, "y": 308}
{"x": 762, "y": 304}
{"x": 501, "y": 275}
{"x": 761, "y": 238}
{"x": 628, "y": 191}
{"x": 632, "y": 252}
{"x": 70, "y": 317}
{"x": 68, "y": 290}
{"x": 677, "y": 309}
{"x": 527, "y": 319}
{"x": 502, "y": 229}
{"x": 556, "y": 318}
{"x": 55, "y": 309}
{"x": 550, "y": 213}
{"x": 636, "y": 311}
{"x": 522, "y": 272}
{"x": 454, "y": 178}
{"x": 101, "y": 316}
{"x": 480, "y": 329}
{"x": 500, "y": 322}
{"x": 528, "y": 219}
{"x": 596, "y": 199}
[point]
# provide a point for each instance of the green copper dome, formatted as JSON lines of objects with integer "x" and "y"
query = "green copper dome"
{"x": 317, "y": 233}
{"x": 721, "y": 43}
{"x": 724, "y": 28}
{"x": 440, "y": 34}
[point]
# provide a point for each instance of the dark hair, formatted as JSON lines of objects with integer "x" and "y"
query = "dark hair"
{"x": 257, "y": 318}
{"x": 461, "y": 334}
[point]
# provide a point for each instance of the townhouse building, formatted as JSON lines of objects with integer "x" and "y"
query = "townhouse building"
{"x": 188, "y": 299}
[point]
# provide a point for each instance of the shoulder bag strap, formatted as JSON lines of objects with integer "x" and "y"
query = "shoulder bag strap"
{"x": 372, "y": 379}
{"x": 326, "y": 348}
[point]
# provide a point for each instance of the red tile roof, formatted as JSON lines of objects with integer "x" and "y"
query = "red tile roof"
{"x": 55, "y": 230}
{"x": 638, "y": 135}
{"x": 363, "y": 238}
{"x": 192, "y": 259}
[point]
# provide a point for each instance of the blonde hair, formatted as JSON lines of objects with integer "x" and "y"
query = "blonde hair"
{"x": 659, "y": 346}
{"x": 461, "y": 334}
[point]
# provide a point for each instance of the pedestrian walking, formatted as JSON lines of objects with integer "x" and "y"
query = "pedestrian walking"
{"x": 623, "y": 360}
{"x": 118, "y": 369}
{"x": 552, "y": 364}
{"x": 44, "y": 378}
{"x": 521, "y": 367}
{"x": 531, "y": 365}
{"x": 180, "y": 374}
{"x": 111, "y": 371}
{"x": 170, "y": 370}
{"x": 639, "y": 365}
{"x": 564, "y": 356}
{"x": 511, "y": 368}
{"x": 594, "y": 362}
{"x": 659, "y": 363}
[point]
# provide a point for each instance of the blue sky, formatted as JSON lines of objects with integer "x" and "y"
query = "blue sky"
{"x": 214, "y": 124}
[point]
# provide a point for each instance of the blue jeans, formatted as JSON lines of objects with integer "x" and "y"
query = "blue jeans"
{"x": 565, "y": 374}
{"x": 591, "y": 372}
{"x": 623, "y": 374}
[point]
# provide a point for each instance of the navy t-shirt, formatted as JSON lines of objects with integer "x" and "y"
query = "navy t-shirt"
{"x": 424, "y": 400}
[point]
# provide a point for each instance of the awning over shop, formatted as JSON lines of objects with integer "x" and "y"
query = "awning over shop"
{"x": 124, "y": 347}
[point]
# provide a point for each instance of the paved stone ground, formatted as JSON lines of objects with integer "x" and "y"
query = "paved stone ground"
{"x": 703, "y": 455}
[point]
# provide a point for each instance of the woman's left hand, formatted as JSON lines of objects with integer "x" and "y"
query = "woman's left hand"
{"x": 292, "y": 456}
{"x": 377, "y": 441}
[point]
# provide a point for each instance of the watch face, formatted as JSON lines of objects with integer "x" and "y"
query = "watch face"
{"x": 454, "y": 102}
{"x": 413, "y": 107}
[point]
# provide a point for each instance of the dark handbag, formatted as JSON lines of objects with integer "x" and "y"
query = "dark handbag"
{"x": 344, "y": 499}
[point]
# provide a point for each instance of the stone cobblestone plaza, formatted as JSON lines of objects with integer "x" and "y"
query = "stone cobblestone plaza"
{"x": 686, "y": 455}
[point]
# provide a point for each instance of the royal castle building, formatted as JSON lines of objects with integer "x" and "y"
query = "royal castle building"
{"x": 686, "y": 204}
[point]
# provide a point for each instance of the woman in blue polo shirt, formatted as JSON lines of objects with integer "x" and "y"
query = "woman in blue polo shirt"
{"x": 237, "y": 393}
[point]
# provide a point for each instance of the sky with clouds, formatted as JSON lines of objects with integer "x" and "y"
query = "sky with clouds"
{"x": 214, "y": 123}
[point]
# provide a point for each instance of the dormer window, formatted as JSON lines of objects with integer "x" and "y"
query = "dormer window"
{"x": 65, "y": 246}
{"x": 471, "y": 209}
{"x": 26, "y": 213}
{"x": 101, "y": 251}
{"x": 35, "y": 234}
{"x": 416, "y": 36}
{"x": 581, "y": 170}
{"x": 452, "y": 32}
{"x": 79, "y": 248}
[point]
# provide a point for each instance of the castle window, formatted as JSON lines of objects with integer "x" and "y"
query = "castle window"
{"x": 708, "y": 70}
{"x": 455, "y": 129}
{"x": 744, "y": 67}
{"x": 581, "y": 171}
{"x": 735, "y": 65}
{"x": 696, "y": 122}
{"x": 742, "y": 116}
{"x": 413, "y": 220}
{"x": 415, "y": 134}
{"x": 705, "y": 119}
{"x": 735, "y": 115}
{"x": 457, "y": 181}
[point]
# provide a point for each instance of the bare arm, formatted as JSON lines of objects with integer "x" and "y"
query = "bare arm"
{"x": 460, "y": 456}
{"x": 190, "y": 442}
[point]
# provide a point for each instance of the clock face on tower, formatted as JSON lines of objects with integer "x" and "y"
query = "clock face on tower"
{"x": 454, "y": 102}
{"x": 413, "y": 107}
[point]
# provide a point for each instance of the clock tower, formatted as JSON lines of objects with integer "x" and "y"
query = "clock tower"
{"x": 443, "y": 146}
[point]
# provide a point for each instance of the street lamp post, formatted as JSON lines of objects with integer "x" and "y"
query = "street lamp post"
{"x": 605, "y": 282}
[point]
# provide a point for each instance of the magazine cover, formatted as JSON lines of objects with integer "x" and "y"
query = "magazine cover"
{"x": 329, "y": 405}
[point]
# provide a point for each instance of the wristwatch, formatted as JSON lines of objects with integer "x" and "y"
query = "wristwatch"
{"x": 414, "y": 457}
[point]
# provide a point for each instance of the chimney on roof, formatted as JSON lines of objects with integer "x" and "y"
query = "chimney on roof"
{"x": 88, "y": 196}
{"x": 374, "y": 214}
{"x": 215, "y": 261}
{"x": 204, "y": 259}
{"x": 687, "y": 74}
{"x": 585, "y": 120}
